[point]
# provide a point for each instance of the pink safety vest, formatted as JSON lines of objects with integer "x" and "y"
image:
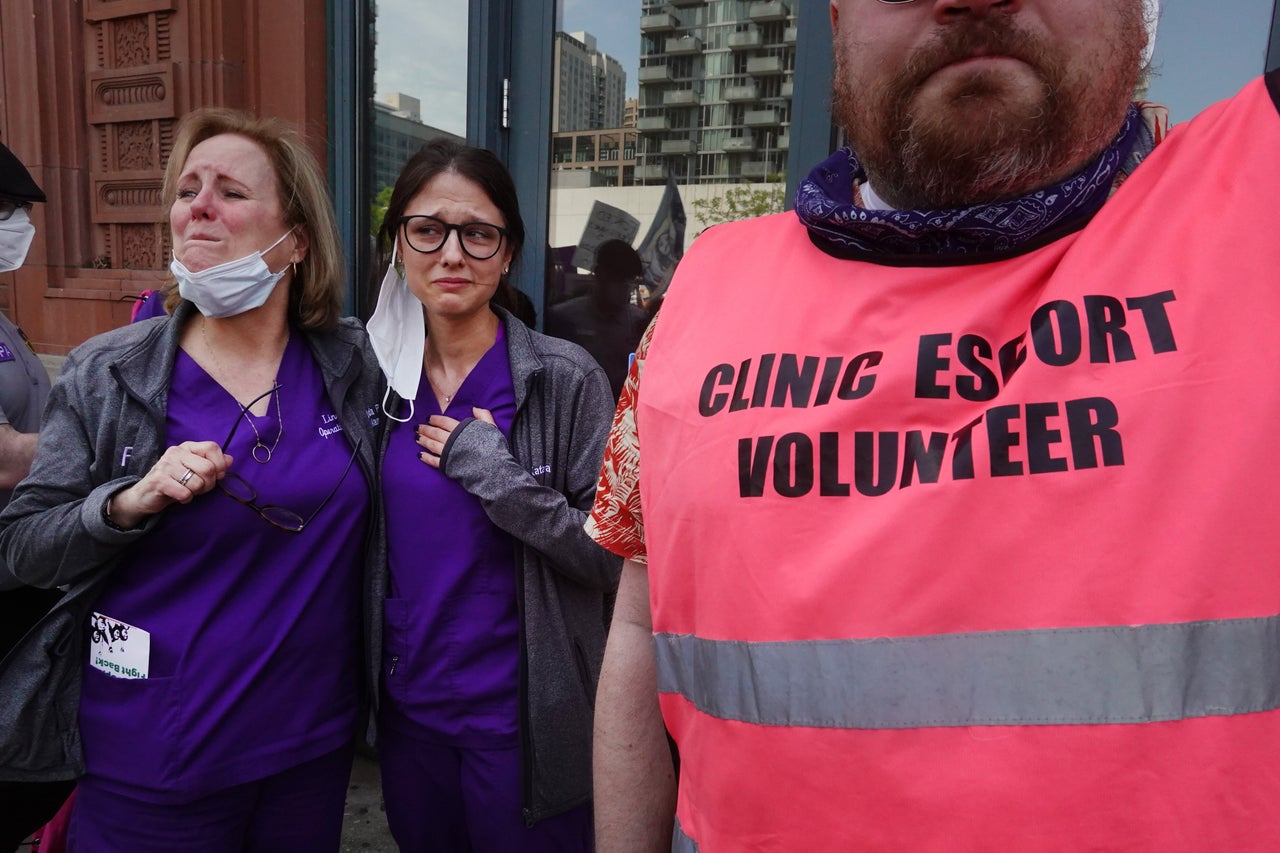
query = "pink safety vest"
{"x": 980, "y": 557}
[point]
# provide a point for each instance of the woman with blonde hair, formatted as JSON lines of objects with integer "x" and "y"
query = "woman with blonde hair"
{"x": 203, "y": 486}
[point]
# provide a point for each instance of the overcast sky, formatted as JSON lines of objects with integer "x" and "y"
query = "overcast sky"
{"x": 422, "y": 51}
{"x": 1205, "y": 51}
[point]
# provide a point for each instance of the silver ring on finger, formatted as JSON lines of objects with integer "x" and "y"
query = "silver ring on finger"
{"x": 186, "y": 475}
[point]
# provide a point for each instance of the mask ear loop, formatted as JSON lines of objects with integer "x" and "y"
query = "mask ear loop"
{"x": 263, "y": 253}
{"x": 395, "y": 245}
{"x": 278, "y": 242}
{"x": 386, "y": 394}
{"x": 386, "y": 411}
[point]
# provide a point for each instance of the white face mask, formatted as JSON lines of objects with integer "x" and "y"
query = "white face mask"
{"x": 398, "y": 333}
{"x": 16, "y": 234}
{"x": 231, "y": 288}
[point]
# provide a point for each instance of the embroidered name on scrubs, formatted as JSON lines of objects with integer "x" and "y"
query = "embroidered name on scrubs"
{"x": 6, "y": 354}
{"x": 119, "y": 649}
{"x": 329, "y": 424}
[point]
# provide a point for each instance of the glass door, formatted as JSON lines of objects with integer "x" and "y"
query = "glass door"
{"x": 407, "y": 84}
{"x": 668, "y": 117}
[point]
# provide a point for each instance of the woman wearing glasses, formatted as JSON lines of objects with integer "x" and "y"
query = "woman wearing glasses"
{"x": 202, "y": 486}
{"x": 494, "y": 618}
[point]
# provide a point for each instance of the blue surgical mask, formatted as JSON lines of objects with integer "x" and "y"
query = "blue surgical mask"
{"x": 231, "y": 288}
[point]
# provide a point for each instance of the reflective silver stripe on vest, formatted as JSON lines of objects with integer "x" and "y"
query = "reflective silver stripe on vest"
{"x": 681, "y": 843}
{"x": 1065, "y": 676}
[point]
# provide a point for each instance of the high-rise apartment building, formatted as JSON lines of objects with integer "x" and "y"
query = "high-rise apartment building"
{"x": 590, "y": 85}
{"x": 398, "y": 132}
{"x": 715, "y": 89}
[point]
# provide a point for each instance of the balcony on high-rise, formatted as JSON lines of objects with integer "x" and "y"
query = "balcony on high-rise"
{"x": 684, "y": 3}
{"x": 682, "y": 45}
{"x": 740, "y": 143}
{"x": 655, "y": 74}
{"x": 660, "y": 20}
{"x": 764, "y": 65}
{"x": 755, "y": 169}
{"x": 768, "y": 11}
{"x": 761, "y": 118}
{"x": 788, "y": 87}
{"x": 678, "y": 146}
{"x": 651, "y": 172}
{"x": 652, "y": 123}
{"x": 745, "y": 40}
{"x": 681, "y": 98}
{"x": 789, "y": 35}
{"x": 784, "y": 141}
{"x": 741, "y": 94}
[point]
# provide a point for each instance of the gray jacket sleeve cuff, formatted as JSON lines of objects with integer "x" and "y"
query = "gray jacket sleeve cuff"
{"x": 94, "y": 518}
{"x": 478, "y": 459}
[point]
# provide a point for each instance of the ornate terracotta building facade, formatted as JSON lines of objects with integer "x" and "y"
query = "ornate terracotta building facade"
{"x": 90, "y": 94}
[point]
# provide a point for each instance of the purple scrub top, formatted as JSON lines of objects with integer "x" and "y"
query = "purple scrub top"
{"x": 255, "y": 632}
{"x": 451, "y": 636}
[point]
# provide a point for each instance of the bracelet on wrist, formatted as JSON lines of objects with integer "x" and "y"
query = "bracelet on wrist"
{"x": 106, "y": 515}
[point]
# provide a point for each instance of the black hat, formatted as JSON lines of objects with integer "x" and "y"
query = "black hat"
{"x": 16, "y": 182}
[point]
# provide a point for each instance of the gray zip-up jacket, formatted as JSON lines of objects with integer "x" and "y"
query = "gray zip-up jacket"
{"x": 539, "y": 490}
{"x": 103, "y": 430}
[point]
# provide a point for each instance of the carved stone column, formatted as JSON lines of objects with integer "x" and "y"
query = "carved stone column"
{"x": 129, "y": 68}
{"x": 90, "y": 94}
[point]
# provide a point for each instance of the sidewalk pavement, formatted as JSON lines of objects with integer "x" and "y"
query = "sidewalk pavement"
{"x": 364, "y": 822}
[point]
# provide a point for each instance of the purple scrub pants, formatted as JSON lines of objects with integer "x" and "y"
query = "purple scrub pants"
{"x": 296, "y": 811}
{"x": 440, "y": 798}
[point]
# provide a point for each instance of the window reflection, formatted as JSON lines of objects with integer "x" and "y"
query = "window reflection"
{"x": 702, "y": 137}
{"x": 659, "y": 101}
{"x": 420, "y": 81}
{"x": 419, "y": 94}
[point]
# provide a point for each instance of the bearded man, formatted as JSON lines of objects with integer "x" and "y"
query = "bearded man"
{"x": 958, "y": 526}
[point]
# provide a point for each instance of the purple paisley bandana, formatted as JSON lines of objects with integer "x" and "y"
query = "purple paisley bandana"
{"x": 826, "y": 204}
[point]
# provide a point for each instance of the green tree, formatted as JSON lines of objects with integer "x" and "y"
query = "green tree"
{"x": 738, "y": 202}
{"x": 378, "y": 210}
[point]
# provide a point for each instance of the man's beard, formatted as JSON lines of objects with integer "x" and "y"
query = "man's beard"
{"x": 984, "y": 140}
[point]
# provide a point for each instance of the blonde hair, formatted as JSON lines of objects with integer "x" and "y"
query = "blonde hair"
{"x": 316, "y": 290}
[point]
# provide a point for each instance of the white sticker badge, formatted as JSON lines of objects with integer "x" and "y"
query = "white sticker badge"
{"x": 117, "y": 648}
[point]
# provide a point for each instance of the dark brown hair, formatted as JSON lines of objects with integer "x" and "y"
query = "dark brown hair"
{"x": 480, "y": 166}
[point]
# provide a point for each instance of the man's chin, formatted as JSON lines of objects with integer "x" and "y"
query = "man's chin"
{"x": 973, "y": 115}
{"x": 980, "y": 91}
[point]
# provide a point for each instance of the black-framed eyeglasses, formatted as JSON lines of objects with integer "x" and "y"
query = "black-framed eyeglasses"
{"x": 238, "y": 489}
{"x": 8, "y": 207}
{"x": 426, "y": 234}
